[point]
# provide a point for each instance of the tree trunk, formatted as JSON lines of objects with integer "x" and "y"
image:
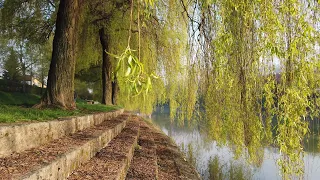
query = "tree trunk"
{"x": 42, "y": 77}
{"x": 60, "y": 86}
{"x": 106, "y": 69}
{"x": 23, "y": 68}
{"x": 115, "y": 90}
{"x": 41, "y": 91}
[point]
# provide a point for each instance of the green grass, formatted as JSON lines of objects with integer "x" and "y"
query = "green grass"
{"x": 96, "y": 107}
{"x": 18, "y": 99}
{"x": 11, "y": 113}
{"x": 17, "y": 107}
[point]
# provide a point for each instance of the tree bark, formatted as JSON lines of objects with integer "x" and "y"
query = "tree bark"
{"x": 42, "y": 77}
{"x": 60, "y": 86}
{"x": 115, "y": 90}
{"x": 23, "y": 68}
{"x": 106, "y": 69}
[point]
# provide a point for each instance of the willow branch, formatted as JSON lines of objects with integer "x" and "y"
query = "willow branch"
{"x": 139, "y": 36}
{"x": 131, "y": 17}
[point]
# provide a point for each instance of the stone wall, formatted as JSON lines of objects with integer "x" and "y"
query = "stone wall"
{"x": 17, "y": 137}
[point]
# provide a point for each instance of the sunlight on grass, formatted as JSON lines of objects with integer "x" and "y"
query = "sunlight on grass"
{"x": 17, "y": 107}
{"x": 9, "y": 113}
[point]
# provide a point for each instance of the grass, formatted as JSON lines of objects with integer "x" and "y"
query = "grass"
{"x": 18, "y": 99}
{"x": 11, "y": 113}
{"x": 96, "y": 107}
{"x": 17, "y": 107}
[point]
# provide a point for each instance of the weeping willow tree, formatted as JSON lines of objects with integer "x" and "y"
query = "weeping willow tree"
{"x": 148, "y": 50}
{"x": 257, "y": 61}
{"x": 232, "y": 99}
{"x": 132, "y": 37}
{"x": 253, "y": 64}
{"x": 180, "y": 77}
{"x": 146, "y": 44}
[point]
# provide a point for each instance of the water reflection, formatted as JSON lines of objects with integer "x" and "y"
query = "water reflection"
{"x": 201, "y": 151}
{"x": 219, "y": 170}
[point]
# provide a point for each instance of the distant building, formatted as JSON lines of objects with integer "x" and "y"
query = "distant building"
{"x": 32, "y": 81}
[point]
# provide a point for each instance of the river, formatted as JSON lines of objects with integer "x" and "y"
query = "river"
{"x": 200, "y": 150}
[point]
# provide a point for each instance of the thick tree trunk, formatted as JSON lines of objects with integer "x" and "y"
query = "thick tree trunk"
{"x": 60, "y": 87}
{"x": 106, "y": 69}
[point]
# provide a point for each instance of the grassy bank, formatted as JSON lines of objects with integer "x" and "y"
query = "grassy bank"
{"x": 17, "y": 107}
{"x": 18, "y": 99}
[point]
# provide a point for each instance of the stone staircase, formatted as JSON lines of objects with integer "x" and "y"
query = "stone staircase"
{"x": 113, "y": 145}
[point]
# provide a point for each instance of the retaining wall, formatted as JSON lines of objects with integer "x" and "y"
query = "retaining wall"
{"x": 18, "y": 137}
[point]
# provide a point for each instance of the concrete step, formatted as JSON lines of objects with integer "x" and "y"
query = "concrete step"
{"x": 113, "y": 161}
{"x": 144, "y": 162}
{"x": 18, "y": 137}
{"x": 59, "y": 158}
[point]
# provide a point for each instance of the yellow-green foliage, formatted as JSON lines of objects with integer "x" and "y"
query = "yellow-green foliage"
{"x": 245, "y": 94}
{"x": 254, "y": 65}
{"x": 89, "y": 50}
{"x": 163, "y": 52}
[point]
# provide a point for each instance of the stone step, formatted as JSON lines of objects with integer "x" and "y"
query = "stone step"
{"x": 113, "y": 161}
{"x": 171, "y": 162}
{"x": 59, "y": 158}
{"x": 144, "y": 162}
{"x": 17, "y": 137}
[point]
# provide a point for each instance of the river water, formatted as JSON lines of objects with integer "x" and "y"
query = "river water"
{"x": 199, "y": 150}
